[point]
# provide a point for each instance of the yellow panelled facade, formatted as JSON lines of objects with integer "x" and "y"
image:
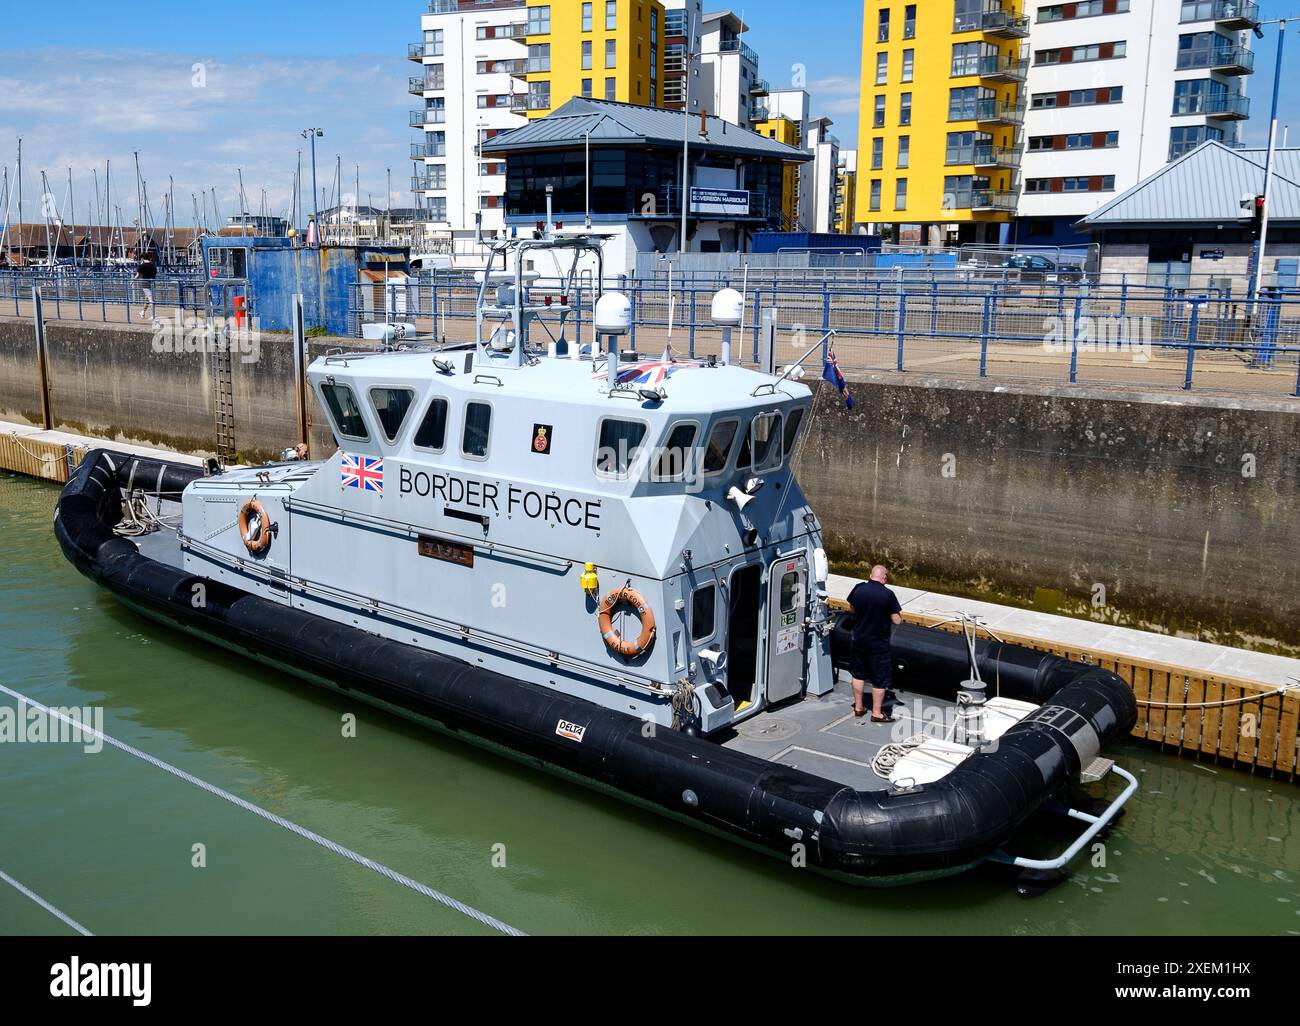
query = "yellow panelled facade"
{"x": 784, "y": 130}
{"x": 580, "y": 33}
{"x": 908, "y": 112}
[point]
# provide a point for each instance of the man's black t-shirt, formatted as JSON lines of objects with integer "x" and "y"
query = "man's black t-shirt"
{"x": 874, "y": 607}
{"x": 148, "y": 270}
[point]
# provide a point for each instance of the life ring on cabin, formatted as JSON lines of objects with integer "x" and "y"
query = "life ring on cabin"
{"x": 255, "y": 527}
{"x": 613, "y": 639}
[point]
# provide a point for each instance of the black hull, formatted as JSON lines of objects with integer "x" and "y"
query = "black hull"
{"x": 878, "y": 837}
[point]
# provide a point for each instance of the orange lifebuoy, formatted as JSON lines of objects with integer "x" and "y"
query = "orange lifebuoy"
{"x": 613, "y": 639}
{"x": 255, "y": 527}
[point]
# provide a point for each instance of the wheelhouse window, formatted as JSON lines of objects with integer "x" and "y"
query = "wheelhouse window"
{"x": 478, "y": 431}
{"x": 704, "y": 613}
{"x": 345, "y": 411}
{"x": 792, "y": 425}
{"x": 721, "y": 442}
{"x": 392, "y": 406}
{"x": 433, "y": 429}
{"x": 676, "y": 459}
{"x": 619, "y": 445}
{"x": 762, "y": 448}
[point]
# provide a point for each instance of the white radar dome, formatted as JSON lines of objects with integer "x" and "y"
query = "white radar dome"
{"x": 613, "y": 314}
{"x": 729, "y": 308}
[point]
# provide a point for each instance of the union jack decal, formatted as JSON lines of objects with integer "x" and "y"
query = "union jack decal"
{"x": 363, "y": 474}
{"x": 648, "y": 374}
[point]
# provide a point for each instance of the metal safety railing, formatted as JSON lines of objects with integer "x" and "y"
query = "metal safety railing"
{"x": 1135, "y": 336}
{"x": 99, "y": 296}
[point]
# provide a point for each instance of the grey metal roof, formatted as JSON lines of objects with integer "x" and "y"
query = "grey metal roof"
{"x": 623, "y": 124}
{"x": 1205, "y": 185}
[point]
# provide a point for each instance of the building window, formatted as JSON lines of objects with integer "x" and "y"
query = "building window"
{"x": 1198, "y": 10}
{"x": 909, "y": 21}
{"x": 1198, "y": 49}
{"x": 539, "y": 21}
{"x": 1186, "y": 138}
{"x": 966, "y": 58}
{"x": 968, "y": 15}
{"x": 877, "y": 153}
{"x": 586, "y": 55}
{"x": 905, "y": 109}
{"x": 433, "y": 42}
{"x": 882, "y": 26}
{"x": 611, "y": 15}
{"x": 586, "y": 88}
{"x": 878, "y": 113}
{"x": 1084, "y": 9}
{"x": 611, "y": 53}
{"x": 539, "y": 95}
{"x": 586, "y": 17}
{"x": 539, "y": 57}
{"x": 882, "y": 68}
{"x": 611, "y": 89}
{"x": 909, "y": 60}
{"x": 904, "y": 151}
{"x": 1081, "y": 54}
{"x": 875, "y": 194}
{"x": 1077, "y": 98}
{"x": 900, "y": 194}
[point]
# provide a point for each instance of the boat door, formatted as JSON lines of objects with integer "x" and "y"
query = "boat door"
{"x": 787, "y": 638}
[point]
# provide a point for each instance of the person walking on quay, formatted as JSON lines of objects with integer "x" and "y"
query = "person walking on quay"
{"x": 146, "y": 273}
{"x": 876, "y": 612}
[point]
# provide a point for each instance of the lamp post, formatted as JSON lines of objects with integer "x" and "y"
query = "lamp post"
{"x": 686, "y": 134}
{"x": 313, "y": 134}
{"x": 1268, "y": 160}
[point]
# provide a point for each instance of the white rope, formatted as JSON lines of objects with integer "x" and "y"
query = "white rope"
{"x": 44, "y": 904}
{"x": 44, "y": 457}
{"x": 1285, "y": 689}
{"x": 279, "y": 821}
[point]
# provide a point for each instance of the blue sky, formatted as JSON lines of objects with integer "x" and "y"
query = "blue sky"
{"x": 83, "y": 81}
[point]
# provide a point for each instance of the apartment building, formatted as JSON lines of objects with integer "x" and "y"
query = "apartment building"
{"x": 824, "y": 176}
{"x": 490, "y": 65}
{"x": 846, "y": 192}
{"x": 788, "y": 130}
{"x": 683, "y": 29}
{"x": 942, "y": 104}
{"x": 1118, "y": 88}
{"x": 729, "y": 82}
{"x": 470, "y": 54}
{"x": 606, "y": 49}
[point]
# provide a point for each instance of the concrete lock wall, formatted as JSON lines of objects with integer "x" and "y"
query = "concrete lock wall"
{"x": 127, "y": 384}
{"x": 1176, "y": 514}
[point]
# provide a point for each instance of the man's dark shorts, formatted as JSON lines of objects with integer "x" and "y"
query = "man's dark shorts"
{"x": 874, "y": 666}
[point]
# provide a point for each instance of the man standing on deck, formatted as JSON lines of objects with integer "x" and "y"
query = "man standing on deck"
{"x": 875, "y": 613}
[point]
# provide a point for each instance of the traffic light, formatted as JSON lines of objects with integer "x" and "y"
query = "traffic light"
{"x": 1252, "y": 207}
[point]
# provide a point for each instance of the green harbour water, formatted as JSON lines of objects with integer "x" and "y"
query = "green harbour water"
{"x": 110, "y": 839}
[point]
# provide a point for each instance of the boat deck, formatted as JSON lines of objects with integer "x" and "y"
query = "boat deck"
{"x": 821, "y": 736}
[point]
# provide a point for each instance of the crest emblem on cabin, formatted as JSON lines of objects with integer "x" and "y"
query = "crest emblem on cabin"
{"x": 542, "y": 436}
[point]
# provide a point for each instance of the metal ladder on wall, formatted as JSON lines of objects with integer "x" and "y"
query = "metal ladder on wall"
{"x": 223, "y": 385}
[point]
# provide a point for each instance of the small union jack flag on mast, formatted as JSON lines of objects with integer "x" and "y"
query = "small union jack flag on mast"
{"x": 363, "y": 474}
{"x": 835, "y": 376}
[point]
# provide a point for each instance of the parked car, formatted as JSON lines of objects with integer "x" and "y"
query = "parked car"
{"x": 1033, "y": 267}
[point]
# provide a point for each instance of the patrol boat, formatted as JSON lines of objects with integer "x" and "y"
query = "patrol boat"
{"x": 602, "y": 563}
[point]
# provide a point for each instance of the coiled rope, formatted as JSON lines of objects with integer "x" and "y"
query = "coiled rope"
{"x": 27, "y": 892}
{"x": 280, "y": 821}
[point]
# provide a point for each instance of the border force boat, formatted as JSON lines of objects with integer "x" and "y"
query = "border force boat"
{"x": 602, "y": 563}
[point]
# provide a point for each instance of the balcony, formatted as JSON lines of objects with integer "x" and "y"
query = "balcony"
{"x": 428, "y": 151}
{"x": 738, "y": 46}
{"x": 1232, "y": 60}
{"x": 1004, "y": 25}
{"x": 429, "y": 184}
{"x": 522, "y": 103}
{"x": 991, "y": 200}
{"x": 988, "y": 155}
{"x": 419, "y": 51}
{"x": 997, "y": 112}
{"x": 1236, "y": 14}
{"x": 759, "y": 112}
{"x": 761, "y": 87}
{"x": 997, "y": 68}
{"x": 1227, "y": 107}
{"x": 420, "y": 86}
{"x": 420, "y": 118}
